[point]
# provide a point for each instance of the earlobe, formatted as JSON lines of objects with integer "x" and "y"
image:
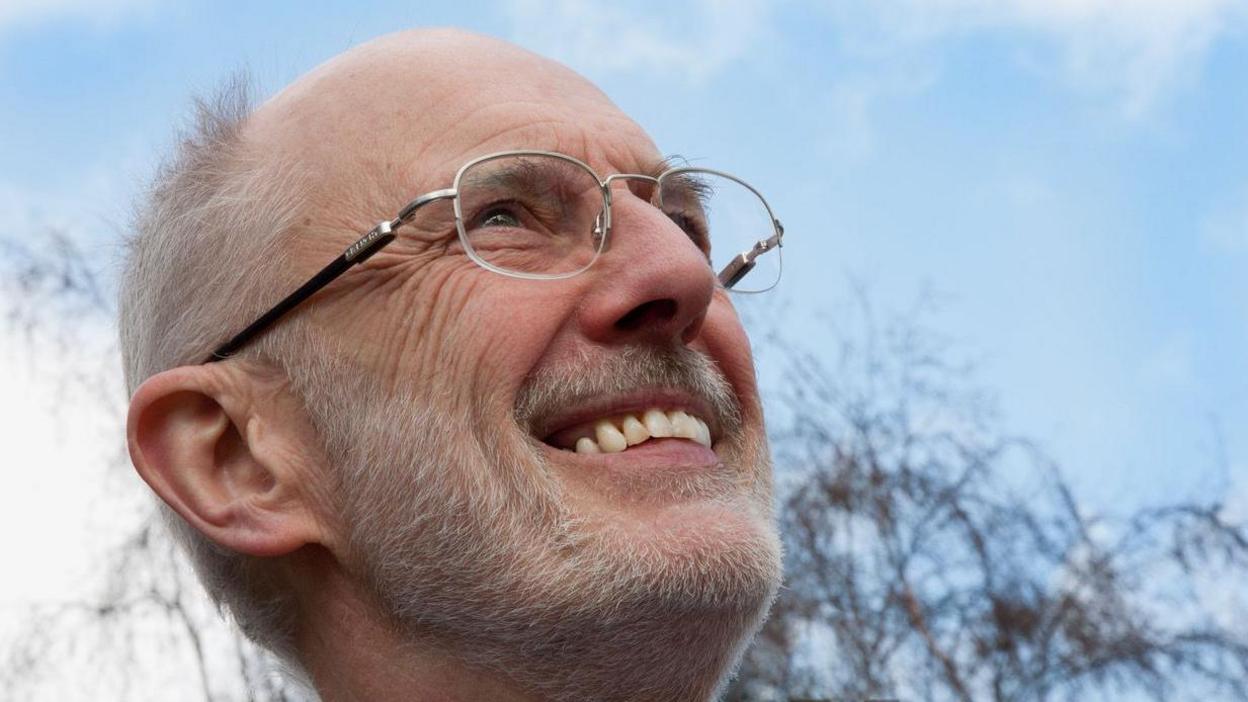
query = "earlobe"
{"x": 196, "y": 440}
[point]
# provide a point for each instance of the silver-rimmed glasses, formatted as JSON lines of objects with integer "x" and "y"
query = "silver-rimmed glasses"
{"x": 545, "y": 215}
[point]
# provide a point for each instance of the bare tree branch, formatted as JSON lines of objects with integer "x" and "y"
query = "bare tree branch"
{"x": 932, "y": 556}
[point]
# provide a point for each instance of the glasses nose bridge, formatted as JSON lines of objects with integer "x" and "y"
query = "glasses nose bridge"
{"x": 609, "y": 180}
{"x": 629, "y": 176}
{"x": 607, "y": 225}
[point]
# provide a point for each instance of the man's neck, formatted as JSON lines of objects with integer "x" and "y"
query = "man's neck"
{"x": 352, "y": 657}
{"x": 352, "y": 653}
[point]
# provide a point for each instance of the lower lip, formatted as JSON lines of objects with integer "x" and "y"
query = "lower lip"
{"x": 665, "y": 455}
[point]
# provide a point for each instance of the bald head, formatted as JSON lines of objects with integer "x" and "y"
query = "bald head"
{"x": 397, "y": 115}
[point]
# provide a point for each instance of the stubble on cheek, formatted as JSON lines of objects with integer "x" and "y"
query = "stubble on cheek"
{"x": 467, "y": 540}
{"x": 467, "y": 536}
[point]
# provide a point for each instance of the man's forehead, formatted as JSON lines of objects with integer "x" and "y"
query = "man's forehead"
{"x": 411, "y": 107}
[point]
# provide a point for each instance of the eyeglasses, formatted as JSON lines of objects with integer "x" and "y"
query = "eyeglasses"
{"x": 546, "y": 216}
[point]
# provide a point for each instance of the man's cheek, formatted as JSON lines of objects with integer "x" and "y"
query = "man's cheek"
{"x": 472, "y": 336}
{"x": 728, "y": 345}
{"x": 413, "y": 337}
{"x": 503, "y": 338}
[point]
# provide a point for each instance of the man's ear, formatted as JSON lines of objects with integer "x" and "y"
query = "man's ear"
{"x": 224, "y": 454}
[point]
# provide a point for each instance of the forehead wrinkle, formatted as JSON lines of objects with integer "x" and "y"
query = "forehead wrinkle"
{"x": 632, "y": 158}
{"x": 540, "y": 134}
{"x": 551, "y": 128}
{"x": 597, "y": 133}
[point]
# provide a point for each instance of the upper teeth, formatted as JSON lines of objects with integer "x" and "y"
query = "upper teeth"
{"x": 616, "y": 434}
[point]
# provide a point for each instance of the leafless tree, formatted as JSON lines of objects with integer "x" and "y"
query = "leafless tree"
{"x": 930, "y": 556}
{"x": 148, "y": 629}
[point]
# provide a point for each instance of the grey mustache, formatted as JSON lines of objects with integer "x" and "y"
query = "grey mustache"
{"x": 681, "y": 368}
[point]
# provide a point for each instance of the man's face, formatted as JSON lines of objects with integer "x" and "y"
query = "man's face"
{"x": 469, "y": 514}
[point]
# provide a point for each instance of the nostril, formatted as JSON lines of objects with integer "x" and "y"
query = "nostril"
{"x": 646, "y": 314}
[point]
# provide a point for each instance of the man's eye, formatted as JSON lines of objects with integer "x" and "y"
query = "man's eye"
{"x": 499, "y": 216}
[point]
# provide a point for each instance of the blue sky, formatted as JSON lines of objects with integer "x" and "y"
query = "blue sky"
{"x": 1069, "y": 176}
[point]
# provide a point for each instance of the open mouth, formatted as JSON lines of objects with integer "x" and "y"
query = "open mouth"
{"x": 618, "y": 432}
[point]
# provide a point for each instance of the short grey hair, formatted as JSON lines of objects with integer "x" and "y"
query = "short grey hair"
{"x": 204, "y": 256}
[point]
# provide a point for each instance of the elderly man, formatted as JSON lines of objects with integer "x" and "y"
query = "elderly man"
{"x": 507, "y": 444}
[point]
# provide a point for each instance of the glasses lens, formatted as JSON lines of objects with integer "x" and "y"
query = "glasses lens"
{"x": 531, "y": 214}
{"x": 726, "y": 218}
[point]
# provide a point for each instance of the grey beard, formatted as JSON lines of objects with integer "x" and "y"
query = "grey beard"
{"x": 464, "y": 538}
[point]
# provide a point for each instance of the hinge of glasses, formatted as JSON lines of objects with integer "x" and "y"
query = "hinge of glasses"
{"x": 736, "y": 269}
{"x": 743, "y": 263}
{"x": 409, "y": 211}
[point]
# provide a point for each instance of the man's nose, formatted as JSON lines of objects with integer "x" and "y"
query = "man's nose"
{"x": 652, "y": 284}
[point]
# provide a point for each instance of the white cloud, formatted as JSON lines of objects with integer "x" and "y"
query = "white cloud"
{"x": 692, "y": 41}
{"x": 1136, "y": 51}
{"x": 16, "y": 13}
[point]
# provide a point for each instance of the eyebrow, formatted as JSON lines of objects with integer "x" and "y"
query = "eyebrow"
{"x": 657, "y": 167}
{"x": 689, "y": 187}
{"x": 527, "y": 177}
{"x": 535, "y": 179}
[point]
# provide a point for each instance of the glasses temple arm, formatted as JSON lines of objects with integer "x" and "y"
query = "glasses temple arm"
{"x": 369, "y": 244}
{"x": 743, "y": 263}
{"x": 372, "y": 242}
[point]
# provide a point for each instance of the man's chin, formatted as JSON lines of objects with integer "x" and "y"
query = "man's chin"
{"x": 724, "y": 549}
{"x": 703, "y": 525}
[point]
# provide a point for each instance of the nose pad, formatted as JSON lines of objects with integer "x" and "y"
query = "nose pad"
{"x": 642, "y": 187}
{"x": 600, "y": 231}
